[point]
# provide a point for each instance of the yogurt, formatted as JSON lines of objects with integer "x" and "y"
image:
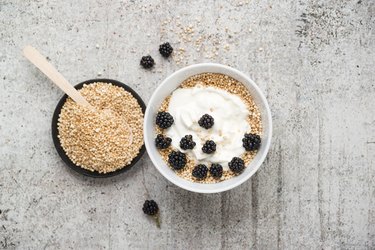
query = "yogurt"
{"x": 230, "y": 113}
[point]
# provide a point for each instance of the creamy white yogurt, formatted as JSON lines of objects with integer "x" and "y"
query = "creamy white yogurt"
{"x": 229, "y": 112}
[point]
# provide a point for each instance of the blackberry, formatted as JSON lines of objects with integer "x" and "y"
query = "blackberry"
{"x": 200, "y": 171}
{"x": 150, "y": 207}
{"x": 165, "y": 49}
{"x": 147, "y": 62}
{"x": 216, "y": 170}
{"x": 209, "y": 147}
{"x": 251, "y": 142}
{"x": 164, "y": 119}
{"x": 162, "y": 142}
{"x": 206, "y": 121}
{"x": 177, "y": 160}
{"x": 187, "y": 142}
{"x": 236, "y": 165}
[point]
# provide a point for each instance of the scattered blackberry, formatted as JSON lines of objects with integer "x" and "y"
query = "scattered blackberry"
{"x": 251, "y": 142}
{"x": 177, "y": 160}
{"x": 209, "y": 147}
{"x": 147, "y": 62}
{"x": 200, "y": 171}
{"x": 165, "y": 49}
{"x": 150, "y": 207}
{"x": 216, "y": 170}
{"x": 187, "y": 142}
{"x": 206, "y": 121}
{"x": 164, "y": 119}
{"x": 162, "y": 142}
{"x": 236, "y": 165}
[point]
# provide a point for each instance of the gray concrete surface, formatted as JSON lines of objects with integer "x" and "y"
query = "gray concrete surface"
{"x": 313, "y": 59}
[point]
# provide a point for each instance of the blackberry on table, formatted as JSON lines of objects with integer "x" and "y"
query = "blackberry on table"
{"x": 209, "y": 147}
{"x": 216, "y": 170}
{"x": 177, "y": 160}
{"x": 206, "y": 121}
{"x": 251, "y": 142}
{"x": 164, "y": 120}
{"x": 150, "y": 207}
{"x": 236, "y": 165}
{"x": 147, "y": 62}
{"x": 162, "y": 142}
{"x": 187, "y": 142}
{"x": 200, "y": 171}
{"x": 165, "y": 49}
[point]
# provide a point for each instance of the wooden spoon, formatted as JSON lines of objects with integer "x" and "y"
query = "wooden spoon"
{"x": 50, "y": 71}
{"x": 41, "y": 63}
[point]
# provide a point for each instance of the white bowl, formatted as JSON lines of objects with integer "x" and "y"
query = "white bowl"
{"x": 166, "y": 88}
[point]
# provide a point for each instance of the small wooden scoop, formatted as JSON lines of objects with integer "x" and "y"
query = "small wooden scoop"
{"x": 41, "y": 63}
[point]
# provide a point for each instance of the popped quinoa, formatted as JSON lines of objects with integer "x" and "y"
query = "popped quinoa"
{"x": 107, "y": 138}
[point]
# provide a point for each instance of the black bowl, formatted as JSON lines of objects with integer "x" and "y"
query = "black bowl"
{"x": 61, "y": 151}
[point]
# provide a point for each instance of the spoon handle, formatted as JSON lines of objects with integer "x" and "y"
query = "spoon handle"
{"x": 50, "y": 71}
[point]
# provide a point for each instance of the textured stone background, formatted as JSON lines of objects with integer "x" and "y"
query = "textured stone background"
{"x": 313, "y": 59}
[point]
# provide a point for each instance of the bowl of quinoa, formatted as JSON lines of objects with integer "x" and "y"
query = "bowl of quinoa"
{"x": 105, "y": 141}
{"x": 207, "y": 128}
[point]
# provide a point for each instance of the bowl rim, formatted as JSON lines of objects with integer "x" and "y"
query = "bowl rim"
{"x": 61, "y": 151}
{"x": 148, "y": 118}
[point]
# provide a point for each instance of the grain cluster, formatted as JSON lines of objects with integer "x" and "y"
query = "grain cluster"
{"x": 105, "y": 139}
